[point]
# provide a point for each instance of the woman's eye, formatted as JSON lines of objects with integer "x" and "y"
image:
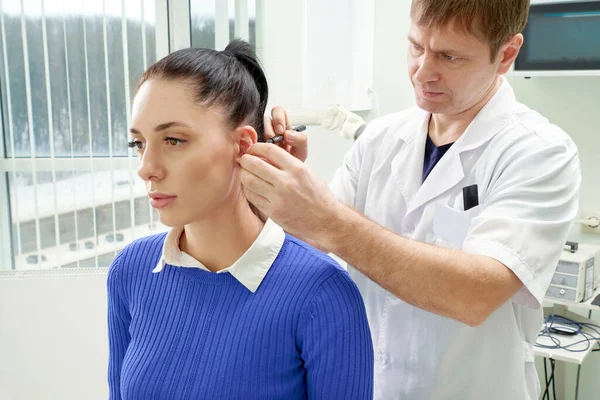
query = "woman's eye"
{"x": 174, "y": 141}
{"x": 449, "y": 57}
{"x": 136, "y": 144}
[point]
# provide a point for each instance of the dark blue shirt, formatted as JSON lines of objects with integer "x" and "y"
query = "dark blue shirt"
{"x": 433, "y": 154}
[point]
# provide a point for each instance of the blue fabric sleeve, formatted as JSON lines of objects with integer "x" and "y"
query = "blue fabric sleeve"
{"x": 336, "y": 342}
{"x": 118, "y": 328}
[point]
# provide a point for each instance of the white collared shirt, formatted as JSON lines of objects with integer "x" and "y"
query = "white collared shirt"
{"x": 250, "y": 269}
{"x": 527, "y": 174}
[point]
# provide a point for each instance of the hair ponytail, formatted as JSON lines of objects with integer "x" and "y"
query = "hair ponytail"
{"x": 242, "y": 52}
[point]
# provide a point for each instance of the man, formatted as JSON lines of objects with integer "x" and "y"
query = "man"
{"x": 452, "y": 215}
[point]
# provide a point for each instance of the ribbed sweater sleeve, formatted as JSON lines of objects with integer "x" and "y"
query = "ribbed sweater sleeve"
{"x": 336, "y": 342}
{"x": 118, "y": 328}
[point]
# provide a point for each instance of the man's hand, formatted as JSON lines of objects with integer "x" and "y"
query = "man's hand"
{"x": 295, "y": 143}
{"x": 283, "y": 189}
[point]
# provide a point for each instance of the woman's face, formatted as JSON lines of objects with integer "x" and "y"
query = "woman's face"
{"x": 187, "y": 154}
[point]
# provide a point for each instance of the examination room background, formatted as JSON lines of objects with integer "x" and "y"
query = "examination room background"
{"x": 52, "y": 347}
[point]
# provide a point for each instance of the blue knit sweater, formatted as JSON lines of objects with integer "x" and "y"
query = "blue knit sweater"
{"x": 186, "y": 333}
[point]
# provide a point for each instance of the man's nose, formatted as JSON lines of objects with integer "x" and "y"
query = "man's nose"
{"x": 427, "y": 69}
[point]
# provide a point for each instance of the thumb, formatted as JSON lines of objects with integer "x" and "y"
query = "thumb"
{"x": 298, "y": 141}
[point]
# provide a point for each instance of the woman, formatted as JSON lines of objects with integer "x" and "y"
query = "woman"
{"x": 224, "y": 305}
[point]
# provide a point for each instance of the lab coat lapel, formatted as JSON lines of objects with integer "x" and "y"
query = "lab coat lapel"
{"x": 449, "y": 170}
{"x": 446, "y": 174}
{"x": 407, "y": 165}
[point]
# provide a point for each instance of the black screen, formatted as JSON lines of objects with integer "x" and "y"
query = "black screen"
{"x": 562, "y": 36}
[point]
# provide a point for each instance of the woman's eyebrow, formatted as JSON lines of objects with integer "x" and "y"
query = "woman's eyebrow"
{"x": 173, "y": 124}
{"x": 162, "y": 127}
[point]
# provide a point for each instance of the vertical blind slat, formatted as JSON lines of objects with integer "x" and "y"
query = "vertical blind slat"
{"x": 32, "y": 142}
{"x": 51, "y": 132}
{"x": 89, "y": 112}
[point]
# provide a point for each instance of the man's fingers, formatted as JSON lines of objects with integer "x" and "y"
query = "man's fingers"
{"x": 299, "y": 143}
{"x": 280, "y": 120}
{"x": 255, "y": 184}
{"x": 274, "y": 155}
{"x": 268, "y": 127}
{"x": 262, "y": 167}
{"x": 257, "y": 200}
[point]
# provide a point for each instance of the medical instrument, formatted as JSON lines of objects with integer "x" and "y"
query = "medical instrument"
{"x": 279, "y": 138}
{"x": 575, "y": 275}
{"x": 350, "y": 125}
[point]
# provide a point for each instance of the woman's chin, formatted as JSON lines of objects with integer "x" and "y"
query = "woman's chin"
{"x": 170, "y": 220}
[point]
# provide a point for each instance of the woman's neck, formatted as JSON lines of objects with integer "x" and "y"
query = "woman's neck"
{"x": 220, "y": 239}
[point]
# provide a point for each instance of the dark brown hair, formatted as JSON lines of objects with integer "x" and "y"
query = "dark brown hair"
{"x": 495, "y": 21}
{"x": 232, "y": 80}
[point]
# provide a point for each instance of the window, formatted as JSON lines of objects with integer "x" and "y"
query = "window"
{"x": 215, "y": 23}
{"x": 68, "y": 73}
{"x": 69, "y": 193}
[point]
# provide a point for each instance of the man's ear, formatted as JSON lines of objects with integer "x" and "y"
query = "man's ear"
{"x": 509, "y": 52}
{"x": 245, "y": 137}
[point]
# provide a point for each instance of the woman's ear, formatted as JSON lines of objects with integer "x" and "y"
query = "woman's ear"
{"x": 245, "y": 136}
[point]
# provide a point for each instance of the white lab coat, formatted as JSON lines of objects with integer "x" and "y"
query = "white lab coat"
{"x": 528, "y": 178}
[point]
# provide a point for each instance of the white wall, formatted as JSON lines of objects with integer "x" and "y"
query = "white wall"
{"x": 574, "y": 104}
{"x": 390, "y": 67}
{"x": 53, "y": 338}
{"x": 316, "y": 54}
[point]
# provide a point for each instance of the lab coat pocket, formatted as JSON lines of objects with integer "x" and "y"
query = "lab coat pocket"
{"x": 472, "y": 212}
{"x": 452, "y": 225}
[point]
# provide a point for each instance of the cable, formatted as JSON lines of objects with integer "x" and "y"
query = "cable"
{"x": 546, "y": 381}
{"x": 553, "y": 362}
{"x": 549, "y": 381}
{"x": 577, "y": 382}
{"x": 577, "y": 329}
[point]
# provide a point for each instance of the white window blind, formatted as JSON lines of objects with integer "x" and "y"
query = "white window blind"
{"x": 214, "y": 23}
{"x": 69, "y": 193}
{"x": 70, "y": 196}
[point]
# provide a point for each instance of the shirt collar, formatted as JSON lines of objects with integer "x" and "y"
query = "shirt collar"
{"x": 250, "y": 269}
{"x": 490, "y": 119}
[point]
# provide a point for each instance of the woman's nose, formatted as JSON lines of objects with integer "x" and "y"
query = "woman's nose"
{"x": 150, "y": 166}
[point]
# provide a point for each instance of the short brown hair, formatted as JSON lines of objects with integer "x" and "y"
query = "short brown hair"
{"x": 493, "y": 20}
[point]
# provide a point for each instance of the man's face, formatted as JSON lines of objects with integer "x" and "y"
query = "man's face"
{"x": 450, "y": 69}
